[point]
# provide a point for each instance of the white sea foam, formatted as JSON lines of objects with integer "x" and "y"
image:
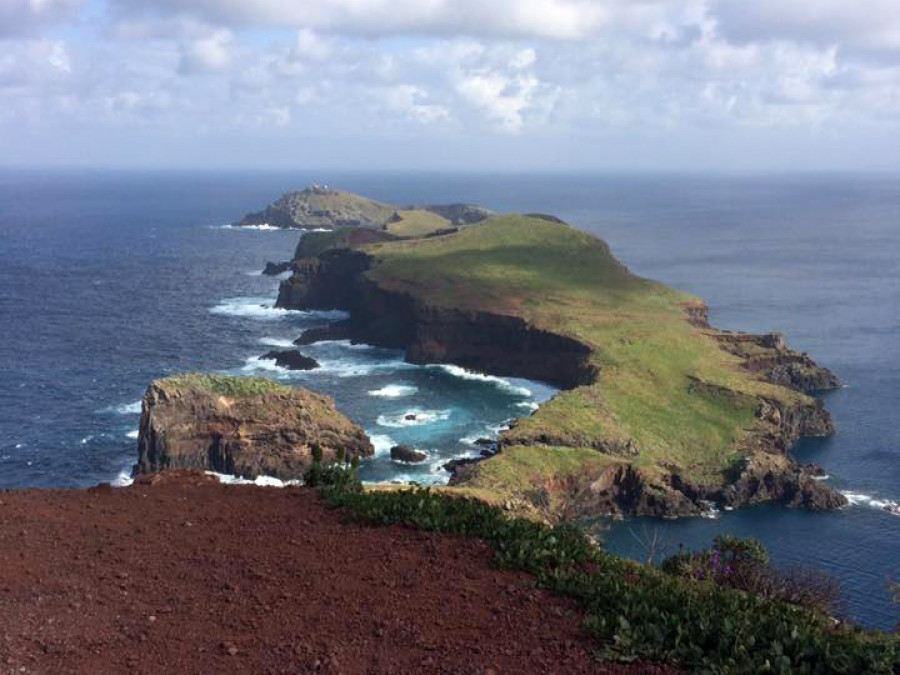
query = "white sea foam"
{"x": 256, "y": 363}
{"x": 262, "y": 227}
{"x": 350, "y": 367}
{"x": 19, "y": 446}
{"x": 253, "y": 308}
{"x": 87, "y": 439}
{"x": 346, "y": 344}
{"x": 394, "y": 391}
{"x": 133, "y": 408}
{"x": 261, "y": 481}
{"x": 859, "y": 499}
{"x": 254, "y": 273}
{"x": 822, "y": 477}
{"x": 124, "y": 479}
{"x": 466, "y": 374}
{"x": 276, "y": 342}
{"x": 382, "y": 443}
{"x": 470, "y": 440}
{"x": 709, "y": 510}
{"x": 416, "y": 417}
{"x": 528, "y": 405}
{"x": 134, "y": 433}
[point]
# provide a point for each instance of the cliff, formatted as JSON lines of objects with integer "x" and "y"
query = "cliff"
{"x": 321, "y": 207}
{"x": 661, "y": 414}
{"x": 243, "y": 426}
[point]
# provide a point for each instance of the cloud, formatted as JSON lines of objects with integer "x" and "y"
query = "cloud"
{"x": 412, "y": 101}
{"x": 570, "y": 74}
{"x": 206, "y": 54}
{"x": 26, "y": 17}
{"x": 862, "y": 26}
{"x": 558, "y": 19}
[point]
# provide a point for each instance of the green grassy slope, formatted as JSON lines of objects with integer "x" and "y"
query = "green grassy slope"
{"x": 649, "y": 355}
{"x": 416, "y": 223}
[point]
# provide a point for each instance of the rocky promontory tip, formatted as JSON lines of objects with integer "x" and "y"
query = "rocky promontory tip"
{"x": 247, "y": 427}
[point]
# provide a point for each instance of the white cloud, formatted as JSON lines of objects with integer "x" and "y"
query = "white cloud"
{"x": 412, "y": 102}
{"x": 558, "y": 19}
{"x": 205, "y": 54}
{"x": 455, "y": 71}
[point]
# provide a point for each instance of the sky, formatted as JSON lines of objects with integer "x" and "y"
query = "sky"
{"x": 512, "y": 85}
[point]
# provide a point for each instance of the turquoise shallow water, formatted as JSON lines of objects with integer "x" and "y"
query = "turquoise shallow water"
{"x": 108, "y": 280}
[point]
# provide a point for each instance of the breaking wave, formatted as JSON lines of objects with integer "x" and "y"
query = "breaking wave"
{"x": 382, "y": 443}
{"x": 394, "y": 391}
{"x": 413, "y": 418}
{"x": 262, "y": 481}
{"x": 859, "y": 499}
{"x": 465, "y": 374}
{"x": 254, "y": 308}
{"x": 276, "y": 342}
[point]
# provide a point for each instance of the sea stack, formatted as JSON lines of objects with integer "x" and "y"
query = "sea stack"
{"x": 242, "y": 426}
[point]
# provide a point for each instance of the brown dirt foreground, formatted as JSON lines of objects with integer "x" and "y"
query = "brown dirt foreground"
{"x": 189, "y": 576}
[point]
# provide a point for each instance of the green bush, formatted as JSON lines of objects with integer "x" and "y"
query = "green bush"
{"x": 342, "y": 477}
{"x": 636, "y": 611}
{"x": 743, "y": 564}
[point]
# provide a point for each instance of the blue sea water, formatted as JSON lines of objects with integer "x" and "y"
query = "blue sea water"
{"x": 108, "y": 280}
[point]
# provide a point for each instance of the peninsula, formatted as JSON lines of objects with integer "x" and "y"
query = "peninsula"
{"x": 660, "y": 414}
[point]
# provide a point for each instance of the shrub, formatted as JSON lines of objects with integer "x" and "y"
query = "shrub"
{"x": 340, "y": 477}
{"x": 743, "y": 564}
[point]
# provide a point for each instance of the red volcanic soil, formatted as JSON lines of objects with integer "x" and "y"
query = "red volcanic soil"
{"x": 189, "y": 576}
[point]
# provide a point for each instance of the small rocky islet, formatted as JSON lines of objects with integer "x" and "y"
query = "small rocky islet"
{"x": 660, "y": 414}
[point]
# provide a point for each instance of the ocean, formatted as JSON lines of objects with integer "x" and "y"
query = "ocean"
{"x": 110, "y": 279}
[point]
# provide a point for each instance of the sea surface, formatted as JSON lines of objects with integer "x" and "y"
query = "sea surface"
{"x": 108, "y": 280}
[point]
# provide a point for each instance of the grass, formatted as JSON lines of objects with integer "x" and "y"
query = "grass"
{"x": 417, "y": 223}
{"x": 223, "y": 385}
{"x": 648, "y": 355}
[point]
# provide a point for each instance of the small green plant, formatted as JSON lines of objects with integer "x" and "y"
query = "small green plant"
{"x": 341, "y": 476}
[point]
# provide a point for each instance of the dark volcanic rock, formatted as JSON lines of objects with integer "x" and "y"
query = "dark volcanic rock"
{"x": 242, "y": 426}
{"x": 404, "y": 453}
{"x": 273, "y": 269}
{"x": 290, "y": 359}
{"x": 339, "y": 330}
{"x": 769, "y": 355}
{"x": 769, "y": 477}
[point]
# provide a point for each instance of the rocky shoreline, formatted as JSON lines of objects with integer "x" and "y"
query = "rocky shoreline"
{"x": 506, "y": 345}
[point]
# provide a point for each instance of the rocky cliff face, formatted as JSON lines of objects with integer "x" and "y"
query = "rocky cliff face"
{"x": 502, "y": 345}
{"x": 507, "y": 345}
{"x": 242, "y": 426}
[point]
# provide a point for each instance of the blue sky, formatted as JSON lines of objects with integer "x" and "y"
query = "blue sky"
{"x": 451, "y": 84}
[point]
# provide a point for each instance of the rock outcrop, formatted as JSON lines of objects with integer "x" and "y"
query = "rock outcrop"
{"x": 291, "y": 359}
{"x": 404, "y": 453}
{"x": 247, "y": 427}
